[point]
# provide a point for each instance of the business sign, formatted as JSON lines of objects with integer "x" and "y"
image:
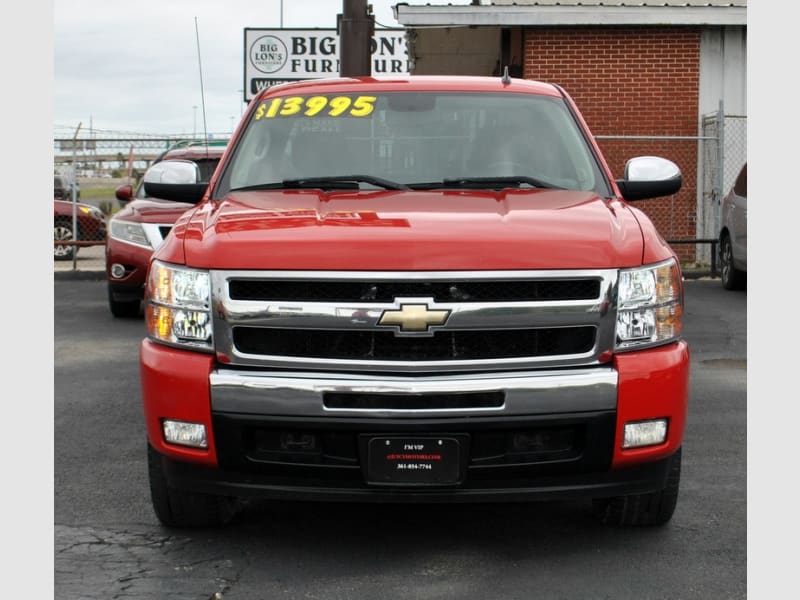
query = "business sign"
{"x": 273, "y": 56}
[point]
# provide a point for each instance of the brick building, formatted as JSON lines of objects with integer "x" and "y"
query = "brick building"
{"x": 647, "y": 77}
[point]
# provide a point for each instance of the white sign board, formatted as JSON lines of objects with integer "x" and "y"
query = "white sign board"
{"x": 273, "y": 56}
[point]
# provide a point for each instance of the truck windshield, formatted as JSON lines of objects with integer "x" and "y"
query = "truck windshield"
{"x": 421, "y": 140}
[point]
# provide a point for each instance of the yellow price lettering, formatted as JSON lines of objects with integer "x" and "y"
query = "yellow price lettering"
{"x": 339, "y": 104}
{"x": 273, "y": 107}
{"x": 315, "y": 105}
{"x": 262, "y": 112}
{"x": 363, "y": 106}
{"x": 291, "y": 106}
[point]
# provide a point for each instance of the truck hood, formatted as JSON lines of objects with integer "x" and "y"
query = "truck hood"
{"x": 409, "y": 230}
{"x": 153, "y": 211}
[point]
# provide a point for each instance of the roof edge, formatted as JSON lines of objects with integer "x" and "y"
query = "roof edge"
{"x": 531, "y": 15}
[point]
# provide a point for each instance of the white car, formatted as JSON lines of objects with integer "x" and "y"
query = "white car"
{"x": 733, "y": 235}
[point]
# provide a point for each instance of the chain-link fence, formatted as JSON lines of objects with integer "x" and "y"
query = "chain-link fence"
{"x": 721, "y": 160}
{"x": 75, "y": 224}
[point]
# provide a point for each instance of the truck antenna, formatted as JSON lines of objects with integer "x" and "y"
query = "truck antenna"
{"x": 202, "y": 93}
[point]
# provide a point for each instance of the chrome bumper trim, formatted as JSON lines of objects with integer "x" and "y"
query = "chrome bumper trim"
{"x": 301, "y": 394}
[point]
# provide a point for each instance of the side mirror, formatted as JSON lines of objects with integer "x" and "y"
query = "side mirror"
{"x": 649, "y": 177}
{"x": 177, "y": 180}
{"x": 124, "y": 193}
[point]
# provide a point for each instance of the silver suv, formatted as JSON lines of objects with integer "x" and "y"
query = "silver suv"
{"x": 733, "y": 235}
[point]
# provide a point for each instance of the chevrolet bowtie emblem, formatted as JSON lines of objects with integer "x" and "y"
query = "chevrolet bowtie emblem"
{"x": 414, "y": 317}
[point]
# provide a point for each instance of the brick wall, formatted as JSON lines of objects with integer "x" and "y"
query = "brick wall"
{"x": 634, "y": 81}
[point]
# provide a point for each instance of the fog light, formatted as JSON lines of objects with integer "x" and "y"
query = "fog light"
{"x": 645, "y": 433}
{"x": 117, "y": 271}
{"x": 185, "y": 434}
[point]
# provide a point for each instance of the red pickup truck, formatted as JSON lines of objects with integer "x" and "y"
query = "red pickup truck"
{"x": 420, "y": 289}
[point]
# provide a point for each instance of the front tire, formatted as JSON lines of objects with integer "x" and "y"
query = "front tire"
{"x": 123, "y": 309}
{"x": 732, "y": 278}
{"x": 62, "y": 232}
{"x": 178, "y": 508}
{"x": 655, "y": 508}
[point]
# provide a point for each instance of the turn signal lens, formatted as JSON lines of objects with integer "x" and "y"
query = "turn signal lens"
{"x": 178, "y": 306}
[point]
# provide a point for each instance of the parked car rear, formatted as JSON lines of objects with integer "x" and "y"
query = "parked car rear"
{"x": 141, "y": 226}
{"x": 733, "y": 234}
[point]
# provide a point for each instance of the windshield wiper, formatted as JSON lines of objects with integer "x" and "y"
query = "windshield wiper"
{"x": 336, "y": 182}
{"x": 370, "y": 179}
{"x": 486, "y": 182}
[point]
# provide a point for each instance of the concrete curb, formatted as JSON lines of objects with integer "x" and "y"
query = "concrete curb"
{"x": 699, "y": 274}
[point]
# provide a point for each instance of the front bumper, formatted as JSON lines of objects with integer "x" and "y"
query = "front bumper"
{"x": 520, "y": 484}
{"x": 554, "y": 434}
{"x": 135, "y": 261}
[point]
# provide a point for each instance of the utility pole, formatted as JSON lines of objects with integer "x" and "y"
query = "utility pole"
{"x": 355, "y": 27}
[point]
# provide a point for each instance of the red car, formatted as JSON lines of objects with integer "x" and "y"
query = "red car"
{"x": 90, "y": 222}
{"x": 141, "y": 226}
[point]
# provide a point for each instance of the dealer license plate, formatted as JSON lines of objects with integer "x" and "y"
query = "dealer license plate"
{"x": 414, "y": 460}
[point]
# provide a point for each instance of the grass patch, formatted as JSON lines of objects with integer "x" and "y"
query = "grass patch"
{"x": 107, "y": 207}
{"x": 93, "y": 193}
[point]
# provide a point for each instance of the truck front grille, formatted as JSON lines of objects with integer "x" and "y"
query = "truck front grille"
{"x": 387, "y": 291}
{"x": 337, "y": 321}
{"x": 442, "y": 345}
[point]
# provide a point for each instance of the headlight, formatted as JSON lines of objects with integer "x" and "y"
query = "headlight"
{"x": 649, "y": 306}
{"x": 132, "y": 233}
{"x": 177, "y": 309}
{"x": 94, "y": 211}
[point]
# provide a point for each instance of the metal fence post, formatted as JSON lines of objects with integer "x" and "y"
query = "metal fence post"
{"x": 717, "y": 193}
{"x": 74, "y": 195}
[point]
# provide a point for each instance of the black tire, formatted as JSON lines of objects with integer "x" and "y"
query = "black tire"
{"x": 177, "y": 508}
{"x": 62, "y": 231}
{"x": 655, "y": 508}
{"x": 123, "y": 309}
{"x": 732, "y": 278}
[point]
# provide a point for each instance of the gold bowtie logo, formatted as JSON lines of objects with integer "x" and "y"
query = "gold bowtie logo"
{"x": 414, "y": 317}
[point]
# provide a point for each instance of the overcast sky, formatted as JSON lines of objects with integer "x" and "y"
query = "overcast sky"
{"x": 133, "y": 66}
